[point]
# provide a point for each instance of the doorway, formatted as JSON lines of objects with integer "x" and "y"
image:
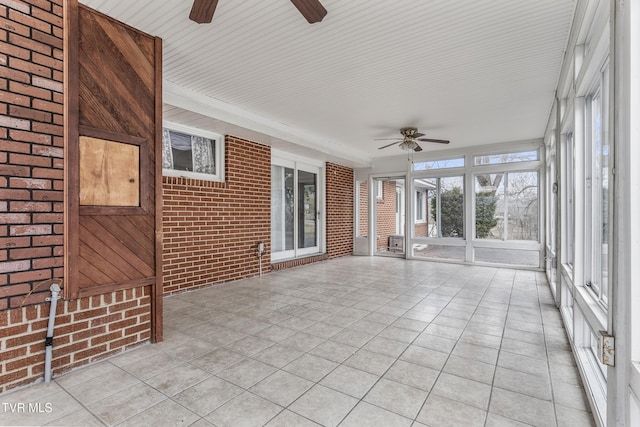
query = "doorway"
{"x": 389, "y": 216}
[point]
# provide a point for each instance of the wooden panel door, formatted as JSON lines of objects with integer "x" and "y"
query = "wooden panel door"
{"x": 113, "y": 157}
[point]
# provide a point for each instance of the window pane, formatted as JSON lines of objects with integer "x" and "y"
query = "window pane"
{"x": 490, "y": 206}
{"x": 439, "y": 251}
{"x": 420, "y": 205}
{"x": 307, "y": 211}
{"x": 203, "y": 155}
{"x": 522, "y": 205}
{"x": 167, "y": 161}
{"x": 424, "y": 224}
{"x": 181, "y": 151}
{"x": 570, "y": 194}
{"x": 599, "y": 200}
{"x": 524, "y": 156}
{"x": 439, "y": 164}
{"x": 445, "y": 206}
{"x": 508, "y": 256}
{"x": 603, "y": 160}
{"x": 389, "y": 215}
{"x": 507, "y": 206}
{"x": 282, "y": 206}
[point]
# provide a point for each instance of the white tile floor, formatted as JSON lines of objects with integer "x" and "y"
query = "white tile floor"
{"x": 355, "y": 341}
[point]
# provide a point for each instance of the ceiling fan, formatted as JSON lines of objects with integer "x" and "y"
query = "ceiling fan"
{"x": 408, "y": 142}
{"x": 202, "y": 10}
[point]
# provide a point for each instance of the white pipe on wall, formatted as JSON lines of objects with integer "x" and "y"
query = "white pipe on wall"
{"x": 55, "y": 292}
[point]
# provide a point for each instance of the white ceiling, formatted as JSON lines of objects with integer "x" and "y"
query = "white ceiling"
{"x": 472, "y": 71}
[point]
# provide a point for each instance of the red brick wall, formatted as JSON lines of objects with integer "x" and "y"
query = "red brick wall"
{"x": 363, "y": 209}
{"x": 339, "y": 185}
{"x": 386, "y": 214}
{"x": 31, "y": 154}
{"x": 211, "y": 228}
{"x": 421, "y": 229}
{"x": 86, "y": 330}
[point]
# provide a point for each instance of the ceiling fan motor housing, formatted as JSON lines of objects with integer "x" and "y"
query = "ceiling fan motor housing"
{"x": 408, "y": 132}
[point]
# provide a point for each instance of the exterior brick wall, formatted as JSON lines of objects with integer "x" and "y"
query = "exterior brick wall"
{"x": 211, "y": 228}
{"x": 291, "y": 263}
{"x": 363, "y": 209}
{"x": 421, "y": 229}
{"x": 340, "y": 205}
{"x": 386, "y": 214}
{"x": 31, "y": 153}
{"x": 86, "y": 330}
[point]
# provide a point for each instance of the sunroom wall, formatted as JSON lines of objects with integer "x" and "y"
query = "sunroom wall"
{"x": 463, "y": 247}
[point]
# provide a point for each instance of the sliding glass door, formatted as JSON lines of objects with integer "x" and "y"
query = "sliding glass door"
{"x": 295, "y": 207}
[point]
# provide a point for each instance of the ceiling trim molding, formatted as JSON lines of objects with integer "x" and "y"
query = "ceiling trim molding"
{"x": 187, "y": 99}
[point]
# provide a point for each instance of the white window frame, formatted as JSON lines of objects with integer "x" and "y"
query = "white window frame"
{"x": 218, "y": 153}
{"x": 596, "y": 110}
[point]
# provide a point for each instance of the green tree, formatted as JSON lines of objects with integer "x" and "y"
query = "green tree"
{"x": 452, "y": 211}
{"x": 486, "y": 203}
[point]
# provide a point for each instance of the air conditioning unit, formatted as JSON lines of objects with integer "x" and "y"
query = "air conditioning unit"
{"x": 396, "y": 243}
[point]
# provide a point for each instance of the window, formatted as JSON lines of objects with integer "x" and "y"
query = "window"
{"x": 421, "y": 205}
{"x": 379, "y": 190}
{"x": 192, "y": 153}
{"x": 493, "y": 159}
{"x": 444, "y": 205}
{"x": 507, "y": 205}
{"x": 597, "y": 191}
{"x": 439, "y": 164}
{"x": 570, "y": 197}
{"x": 295, "y": 205}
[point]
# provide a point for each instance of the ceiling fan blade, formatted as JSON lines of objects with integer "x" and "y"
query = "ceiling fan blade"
{"x": 388, "y": 145}
{"x": 439, "y": 141}
{"x": 417, "y": 147}
{"x": 312, "y": 10}
{"x": 202, "y": 11}
{"x": 417, "y": 135}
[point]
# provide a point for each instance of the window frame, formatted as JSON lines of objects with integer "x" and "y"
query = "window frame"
{"x": 219, "y": 151}
{"x": 596, "y": 120}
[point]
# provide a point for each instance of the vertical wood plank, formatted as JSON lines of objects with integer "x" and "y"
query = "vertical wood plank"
{"x": 156, "y": 290}
{"x": 71, "y": 154}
